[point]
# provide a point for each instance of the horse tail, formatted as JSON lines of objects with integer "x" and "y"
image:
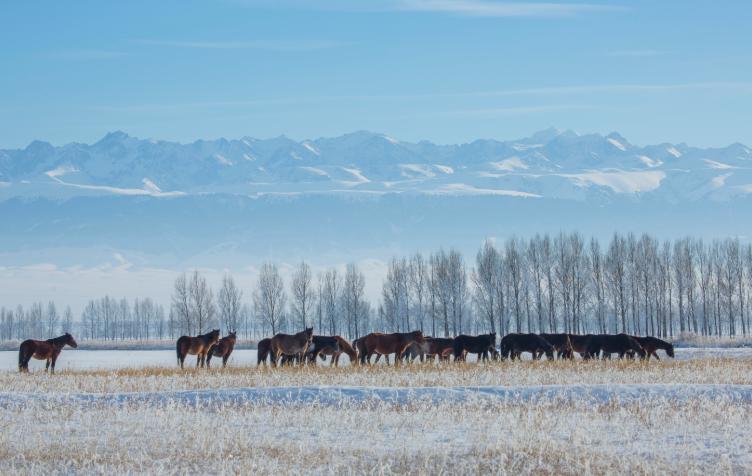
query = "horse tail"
{"x": 177, "y": 350}
{"x": 21, "y": 358}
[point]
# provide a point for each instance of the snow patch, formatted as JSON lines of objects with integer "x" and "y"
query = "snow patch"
{"x": 718, "y": 165}
{"x": 510, "y": 164}
{"x": 410, "y": 170}
{"x": 720, "y": 180}
{"x": 60, "y": 171}
{"x": 310, "y": 147}
{"x": 359, "y": 177}
{"x": 295, "y": 155}
{"x": 222, "y": 159}
{"x": 616, "y": 144}
{"x": 619, "y": 181}
{"x": 673, "y": 151}
{"x": 315, "y": 171}
{"x": 350, "y": 395}
{"x": 524, "y": 147}
{"x": 652, "y": 163}
{"x": 390, "y": 139}
{"x": 464, "y": 189}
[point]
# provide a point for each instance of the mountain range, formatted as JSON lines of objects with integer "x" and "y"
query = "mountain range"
{"x": 550, "y": 164}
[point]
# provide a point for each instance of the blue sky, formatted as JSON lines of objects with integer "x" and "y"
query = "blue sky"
{"x": 443, "y": 70}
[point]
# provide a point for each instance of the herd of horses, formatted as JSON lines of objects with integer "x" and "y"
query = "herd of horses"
{"x": 305, "y": 347}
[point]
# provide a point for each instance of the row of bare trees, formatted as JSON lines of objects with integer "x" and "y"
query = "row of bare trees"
{"x": 561, "y": 283}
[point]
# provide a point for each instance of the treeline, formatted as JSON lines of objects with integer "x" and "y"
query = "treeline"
{"x": 562, "y": 283}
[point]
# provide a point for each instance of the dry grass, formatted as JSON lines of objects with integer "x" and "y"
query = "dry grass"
{"x": 502, "y": 438}
{"x": 526, "y": 373}
{"x": 652, "y": 435}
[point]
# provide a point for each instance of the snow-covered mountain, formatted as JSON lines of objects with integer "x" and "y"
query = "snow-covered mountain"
{"x": 550, "y": 164}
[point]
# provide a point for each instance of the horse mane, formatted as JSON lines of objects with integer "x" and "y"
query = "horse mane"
{"x": 60, "y": 340}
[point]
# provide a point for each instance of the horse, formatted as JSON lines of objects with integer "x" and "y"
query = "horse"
{"x": 561, "y": 343}
{"x": 198, "y": 346}
{"x": 580, "y": 345}
{"x": 48, "y": 350}
{"x": 431, "y": 348}
{"x": 345, "y": 348}
{"x": 613, "y": 344}
{"x": 360, "y": 348}
{"x": 263, "y": 350}
{"x": 481, "y": 345}
{"x": 513, "y": 345}
{"x": 294, "y": 345}
{"x": 651, "y": 344}
{"x": 385, "y": 344}
{"x": 320, "y": 347}
{"x": 223, "y": 349}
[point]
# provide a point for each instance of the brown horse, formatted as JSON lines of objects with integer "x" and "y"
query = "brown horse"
{"x": 48, "y": 350}
{"x": 430, "y": 349}
{"x": 263, "y": 351}
{"x": 198, "y": 346}
{"x": 290, "y": 345}
{"x": 385, "y": 344}
{"x": 223, "y": 349}
{"x": 343, "y": 347}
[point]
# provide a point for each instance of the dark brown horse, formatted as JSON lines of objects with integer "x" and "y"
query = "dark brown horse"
{"x": 290, "y": 345}
{"x": 430, "y": 349}
{"x": 198, "y": 346}
{"x": 223, "y": 349}
{"x": 48, "y": 350}
{"x": 651, "y": 344}
{"x": 513, "y": 345}
{"x": 343, "y": 347}
{"x": 385, "y": 344}
{"x": 580, "y": 345}
{"x": 561, "y": 343}
{"x": 322, "y": 346}
{"x": 263, "y": 351}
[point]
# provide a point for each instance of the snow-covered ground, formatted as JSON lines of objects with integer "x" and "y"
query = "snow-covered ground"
{"x": 71, "y": 359}
{"x": 135, "y": 412}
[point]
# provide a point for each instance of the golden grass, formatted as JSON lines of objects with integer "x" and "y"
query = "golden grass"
{"x": 526, "y": 373}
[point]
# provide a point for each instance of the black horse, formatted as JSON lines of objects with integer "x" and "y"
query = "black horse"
{"x": 607, "y": 344}
{"x": 513, "y": 345}
{"x": 481, "y": 345}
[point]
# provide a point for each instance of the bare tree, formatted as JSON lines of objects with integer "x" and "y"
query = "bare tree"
{"x": 230, "y": 304}
{"x": 269, "y": 297}
{"x": 303, "y": 295}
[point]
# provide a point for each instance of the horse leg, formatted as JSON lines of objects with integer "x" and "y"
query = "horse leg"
{"x": 655, "y": 354}
{"x": 47, "y": 365}
{"x": 224, "y": 360}
{"x": 54, "y": 360}
{"x": 208, "y": 360}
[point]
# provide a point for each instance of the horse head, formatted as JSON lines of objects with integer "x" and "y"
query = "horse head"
{"x": 309, "y": 335}
{"x": 214, "y": 335}
{"x": 72, "y": 342}
{"x": 232, "y": 334}
{"x": 670, "y": 350}
{"x": 418, "y": 336}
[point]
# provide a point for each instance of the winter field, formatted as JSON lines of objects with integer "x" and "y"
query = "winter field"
{"x": 134, "y": 411}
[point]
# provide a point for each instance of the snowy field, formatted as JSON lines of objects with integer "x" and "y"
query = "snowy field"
{"x": 135, "y": 412}
{"x": 74, "y": 359}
